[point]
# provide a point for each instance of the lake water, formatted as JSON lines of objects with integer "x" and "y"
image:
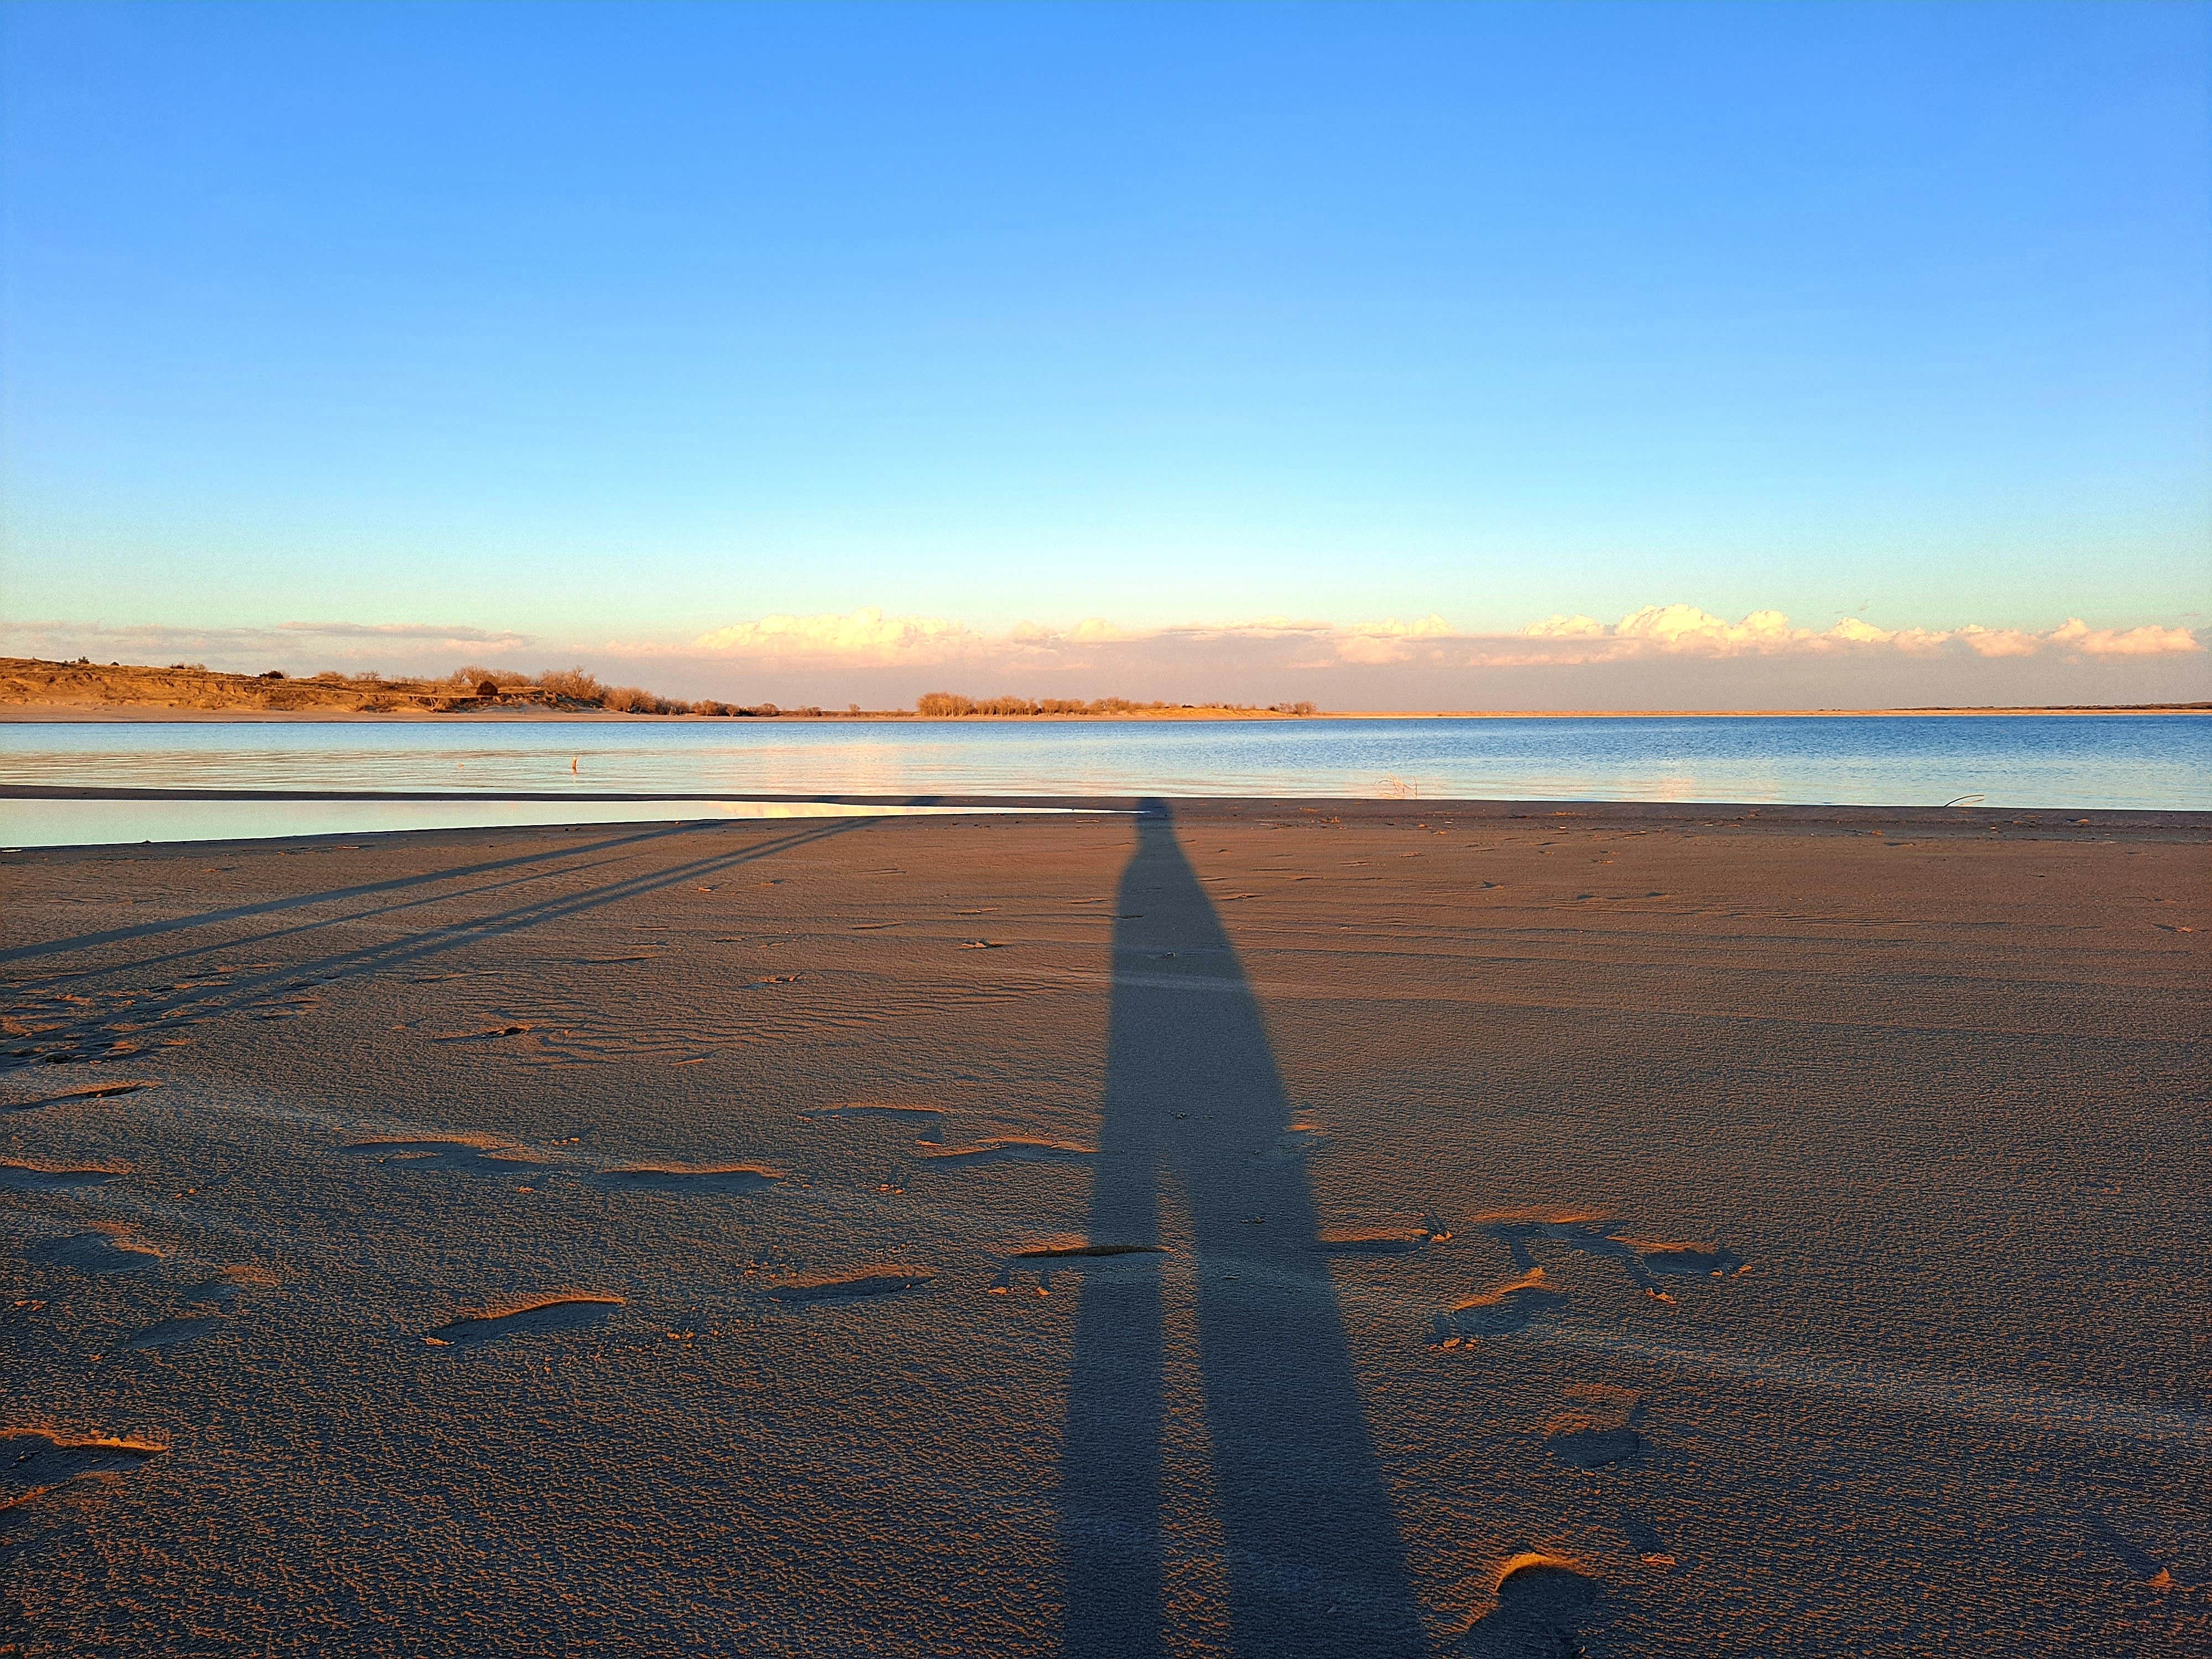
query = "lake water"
{"x": 2114, "y": 761}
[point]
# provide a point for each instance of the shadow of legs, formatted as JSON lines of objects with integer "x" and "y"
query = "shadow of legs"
{"x": 1314, "y": 1560}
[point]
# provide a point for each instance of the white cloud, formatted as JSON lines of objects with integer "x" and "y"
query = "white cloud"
{"x": 1559, "y": 626}
{"x": 867, "y": 636}
{"x": 1566, "y": 660}
{"x": 442, "y": 636}
{"x": 1092, "y": 630}
{"x": 294, "y": 641}
{"x": 1995, "y": 641}
{"x": 1390, "y": 641}
{"x": 1371, "y": 649}
{"x": 2150, "y": 641}
{"x": 1684, "y": 630}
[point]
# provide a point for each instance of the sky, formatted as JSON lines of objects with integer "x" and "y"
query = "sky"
{"x": 1431, "y": 356}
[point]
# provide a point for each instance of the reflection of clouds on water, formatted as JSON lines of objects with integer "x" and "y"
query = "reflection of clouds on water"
{"x": 2110, "y": 761}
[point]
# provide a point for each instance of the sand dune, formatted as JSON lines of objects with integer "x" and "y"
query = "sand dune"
{"x": 1651, "y": 1232}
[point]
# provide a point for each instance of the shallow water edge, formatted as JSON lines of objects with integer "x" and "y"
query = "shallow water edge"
{"x": 64, "y": 818}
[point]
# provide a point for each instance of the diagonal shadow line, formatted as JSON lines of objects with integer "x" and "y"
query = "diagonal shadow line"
{"x": 300, "y": 901}
{"x": 230, "y": 943}
{"x": 1312, "y": 1553}
{"x": 394, "y": 952}
{"x": 350, "y": 964}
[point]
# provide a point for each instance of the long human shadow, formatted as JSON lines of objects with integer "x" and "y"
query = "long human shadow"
{"x": 412, "y": 948}
{"x": 1313, "y": 1558}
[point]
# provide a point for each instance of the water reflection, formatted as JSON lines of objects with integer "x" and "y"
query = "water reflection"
{"x": 2109, "y": 760}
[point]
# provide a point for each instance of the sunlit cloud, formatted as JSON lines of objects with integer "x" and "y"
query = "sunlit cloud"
{"x": 1684, "y": 630}
{"x": 444, "y": 635}
{"x": 1675, "y": 655}
{"x": 2147, "y": 641}
{"x": 1093, "y": 631}
{"x": 1389, "y": 641}
{"x": 871, "y": 637}
{"x": 865, "y": 636}
{"x": 336, "y": 641}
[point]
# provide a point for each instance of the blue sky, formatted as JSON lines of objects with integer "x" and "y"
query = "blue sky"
{"x": 616, "y": 325}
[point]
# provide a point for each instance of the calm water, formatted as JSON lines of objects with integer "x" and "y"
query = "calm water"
{"x": 2152, "y": 761}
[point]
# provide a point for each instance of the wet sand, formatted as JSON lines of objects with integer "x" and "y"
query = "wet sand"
{"x": 1286, "y": 1228}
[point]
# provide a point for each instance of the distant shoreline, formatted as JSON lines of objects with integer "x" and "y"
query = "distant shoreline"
{"x": 139, "y": 714}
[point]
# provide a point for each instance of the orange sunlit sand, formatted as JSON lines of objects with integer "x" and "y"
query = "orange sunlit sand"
{"x": 1573, "y": 1189}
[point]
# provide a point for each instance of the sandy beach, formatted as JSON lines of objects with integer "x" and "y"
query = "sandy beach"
{"x": 1219, "y": 1228}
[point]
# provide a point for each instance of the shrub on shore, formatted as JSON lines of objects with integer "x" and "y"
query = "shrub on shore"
{"x": 573, "y": 684}
{"x": 473, "y": 685}
{"x": 637, "y": 700}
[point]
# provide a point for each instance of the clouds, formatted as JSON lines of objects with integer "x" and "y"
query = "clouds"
{"x": 326, "y": 644}
{"x": 296, "y": 648}
{"x": 870, "y": 638}
{"x": 1389, "y": 641}
{"x": 2075, "y": 634}
{"x": 1679, "y": 629}
{"x": 1659, "y": 656}
{"x": 865, "y": 636}
{"x": 439, "y": 634}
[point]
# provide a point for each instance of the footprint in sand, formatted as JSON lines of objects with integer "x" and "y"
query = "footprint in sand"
{"x": 1379, "y": 1241}
{"x": 458, "y": 1157}
{"x": 34, "y": 1462}
{"x": 2140, "y": 1563}
{"x": 1081, "y": 1249}
{"x": 109, "y": 1248}
{"x": 1651, "y": 1548}
{"x": 1299, "y": 1140}
{"x": 688, "y": 1178}
{"x": 487, "y": 1034}
{"x": 216, "y": 1294}
{"x": 227, "y": 1286}
{"x": 1543, "y": 1602}
{"x": 926, "y": 1122}
{"x": 850, "y": 1285}
{"x": 542, "y": 1316}
{"x": 1599, "y": 1431}
{"x": 290, "y": 1007}
{"x": 1501, "y": 1312}
{"x": 173, "y": 1332}
{"x": 1011, "y": 1150}
{"x": 51, "y": 1177}
{"x": 1068, "y": 1255}
{"x": 99, "y": 1092}
{"x": 1647, "y": 1261}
